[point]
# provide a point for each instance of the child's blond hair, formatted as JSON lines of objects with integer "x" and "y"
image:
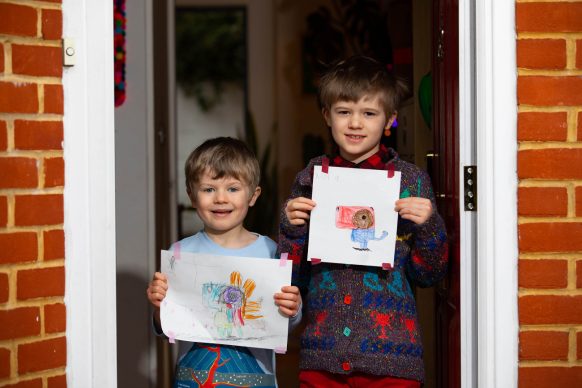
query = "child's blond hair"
{"x": 222, "y": 157}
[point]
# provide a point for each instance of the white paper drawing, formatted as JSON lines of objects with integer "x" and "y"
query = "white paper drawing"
{"x": 354, "y": 221}
{"x": 224, "y": 300}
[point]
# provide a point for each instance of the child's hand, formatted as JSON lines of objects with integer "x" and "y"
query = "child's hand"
{"x": 157, "y": 289}
{"x": 415, "y": 209}
{"x": 297, "y": 210}
{"x": 288, "y": 300}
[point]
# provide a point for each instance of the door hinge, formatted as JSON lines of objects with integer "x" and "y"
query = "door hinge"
{"x": 470, "y": 173}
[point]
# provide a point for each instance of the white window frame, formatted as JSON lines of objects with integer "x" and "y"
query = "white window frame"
{"x": 90, "y": 194}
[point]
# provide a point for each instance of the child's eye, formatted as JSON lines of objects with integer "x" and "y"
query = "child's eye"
{"x": 207, "y": 189}
{"x": 233, "y": 189}
{"x": 370, "y": 114}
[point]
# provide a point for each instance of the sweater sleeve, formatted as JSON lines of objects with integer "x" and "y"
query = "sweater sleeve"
{"x": 429, "y": 251}
{"x": 293, "y": 239}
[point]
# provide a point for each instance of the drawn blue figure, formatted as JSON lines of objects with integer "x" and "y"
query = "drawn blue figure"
{"x": 364, "y": 230}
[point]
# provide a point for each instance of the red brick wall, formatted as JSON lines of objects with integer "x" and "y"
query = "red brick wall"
{"x": 32, "y": 277}
{"x": 549, "y": 92}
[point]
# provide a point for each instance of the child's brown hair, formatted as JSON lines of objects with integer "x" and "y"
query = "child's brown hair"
{"x": 358, "y": 76}
{"x": 222, "y": 157}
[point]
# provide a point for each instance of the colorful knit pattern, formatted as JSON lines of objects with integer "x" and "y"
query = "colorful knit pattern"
{"x": 364, "y": 318}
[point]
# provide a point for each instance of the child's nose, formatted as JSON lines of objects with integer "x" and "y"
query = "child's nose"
{"x": 355, "y": 121}
{"x": 220, "y": 196}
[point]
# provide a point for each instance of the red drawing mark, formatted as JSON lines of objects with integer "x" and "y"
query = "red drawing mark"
{"x": 350, "y": 217}
{"x": 382, "y": 320}
{"x": 208, "y": 383}
{"x": 319, "y": 319}
{"x": 411, "y": 327}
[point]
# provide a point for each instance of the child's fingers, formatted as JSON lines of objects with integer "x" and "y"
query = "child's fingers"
{"x": 297, "y": 210}
{"x": 287, "y": 306}
{"x": 416, "y": 215}
{"x": 287, "y": 311}
{"x": 288, "y": 300}
{"x": 302, "y": 201}
{"x": 285, "y": 297}
{"x": 414, "y": 207}
{"x": 156, "y": 295}
{"x": 156, "y": 291}
{"x": 301, "y": 204}
{"x": 290, "y": 289}
{"x": 297, "y": 217}
{"x": 160, "y": 276}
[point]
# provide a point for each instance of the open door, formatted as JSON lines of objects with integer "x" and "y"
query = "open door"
{"x": 445, "y": 173}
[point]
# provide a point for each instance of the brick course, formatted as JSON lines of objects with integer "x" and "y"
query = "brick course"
{"x": 549, "y": 161}
{"x": 20, "y": 322}
{"x": 42, "y": 355}
{"x": 17, "y": 20}
{"x": 541, "y": 53}
{"x": 32, "y": 276}
{"x": 542, "y": 126}
{"x": 40, "y": 283}
{"x": 543, "y": 273}
{"x": 543, "y": 345}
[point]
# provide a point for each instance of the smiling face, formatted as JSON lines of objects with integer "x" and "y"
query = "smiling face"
{"x": 357, "y": 127}
{"x": 222, "y": 204}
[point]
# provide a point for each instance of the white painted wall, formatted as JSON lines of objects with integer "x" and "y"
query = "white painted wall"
{"x": 194, "y": 127}
{"x": 135, "y": 210}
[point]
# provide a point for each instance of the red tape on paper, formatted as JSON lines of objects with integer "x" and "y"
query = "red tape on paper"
{"x": 390, "y": 170}
{"x": 386, "y": 266}
{"x": 315, "y": 261}
{"x": 325, "y": 165}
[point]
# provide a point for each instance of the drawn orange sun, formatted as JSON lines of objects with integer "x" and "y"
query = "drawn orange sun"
{"x": 250, "y": 309}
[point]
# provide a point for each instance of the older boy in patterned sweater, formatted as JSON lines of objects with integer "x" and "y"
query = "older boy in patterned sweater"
{"x": 362, "y": 326}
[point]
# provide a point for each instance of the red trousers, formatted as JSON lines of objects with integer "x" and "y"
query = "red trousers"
{"x": 321, "y": 379}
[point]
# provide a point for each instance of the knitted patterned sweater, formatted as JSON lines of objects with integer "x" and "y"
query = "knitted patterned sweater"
{"x": 363, "y": 318}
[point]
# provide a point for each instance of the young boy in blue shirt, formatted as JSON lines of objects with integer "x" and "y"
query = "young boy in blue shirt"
{"x": 222, "y": 180}
{"x": 362, "y": 326}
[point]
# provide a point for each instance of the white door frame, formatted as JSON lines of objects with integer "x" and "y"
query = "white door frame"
{"x": 89, "y": 194}
{"x": 90, "y": 199}
{"x": 468, "y": 224}
{"x": 495, "y": 118}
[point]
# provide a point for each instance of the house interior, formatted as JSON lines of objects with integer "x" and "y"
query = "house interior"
{"x": 243, "y": 68}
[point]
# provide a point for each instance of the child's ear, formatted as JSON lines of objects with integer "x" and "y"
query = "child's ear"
{"x": 325, "y": 113}
{"x": 192, "y": 197}
{"x": 255, "y": 196}
{"x": 391, "y": 120}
